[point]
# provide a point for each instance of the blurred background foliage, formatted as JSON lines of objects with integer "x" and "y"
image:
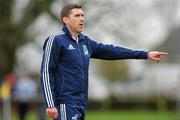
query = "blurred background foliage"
{"x": 13, "y": 33}
{"x": 113, "y": 70}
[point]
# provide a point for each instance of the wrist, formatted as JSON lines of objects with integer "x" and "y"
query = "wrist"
{"x": 148, "y": 55}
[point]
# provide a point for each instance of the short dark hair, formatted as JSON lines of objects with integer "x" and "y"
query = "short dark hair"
{"x": 67, "y": 9}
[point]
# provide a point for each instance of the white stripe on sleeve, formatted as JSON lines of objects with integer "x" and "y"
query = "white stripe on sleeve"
{"x": 46, "y": 82}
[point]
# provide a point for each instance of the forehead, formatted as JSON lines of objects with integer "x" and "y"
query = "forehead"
{"x": 76, "y": 11}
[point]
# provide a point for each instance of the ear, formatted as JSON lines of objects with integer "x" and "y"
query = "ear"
{"x": 65, "y": 20}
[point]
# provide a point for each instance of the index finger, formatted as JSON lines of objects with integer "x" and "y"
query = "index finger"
{"x": 163, "y": 53}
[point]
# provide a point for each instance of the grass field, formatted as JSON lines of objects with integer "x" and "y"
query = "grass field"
{"x": 120, "y": 115}
{"x": 130, "y": 115}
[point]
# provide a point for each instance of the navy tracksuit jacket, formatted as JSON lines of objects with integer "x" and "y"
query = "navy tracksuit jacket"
{"x": 65, "y": 63}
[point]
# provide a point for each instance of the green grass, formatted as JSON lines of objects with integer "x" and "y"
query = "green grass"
{"x": 119, "y": 115}
{"x": 130, "y": 115}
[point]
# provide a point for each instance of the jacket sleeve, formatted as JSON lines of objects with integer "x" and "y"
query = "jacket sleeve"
{"x": 51, "y": 52}
{"x": 111, "y": 52}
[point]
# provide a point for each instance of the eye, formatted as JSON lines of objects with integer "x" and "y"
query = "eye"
{"x": 77, "y": 15}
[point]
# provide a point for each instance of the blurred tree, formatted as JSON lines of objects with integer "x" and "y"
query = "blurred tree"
{"x": 113, "y": 70}
{"x": 13, "y": 34}
{"x": 171, "y": 44}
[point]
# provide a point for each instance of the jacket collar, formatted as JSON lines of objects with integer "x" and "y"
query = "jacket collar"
{"x": 67, "y": 32}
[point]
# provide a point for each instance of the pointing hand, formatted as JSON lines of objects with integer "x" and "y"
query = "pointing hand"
{"x": 156, "y": 55}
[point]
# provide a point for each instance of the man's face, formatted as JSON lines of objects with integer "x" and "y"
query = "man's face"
{"x": 75, "y": 20}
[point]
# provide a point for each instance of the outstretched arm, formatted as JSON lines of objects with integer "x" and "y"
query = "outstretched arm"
{"x": 111, "y": 52}
{"x": 156, "y": 55}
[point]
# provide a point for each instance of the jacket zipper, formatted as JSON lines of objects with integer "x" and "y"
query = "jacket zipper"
{"x": 82, "y": 67}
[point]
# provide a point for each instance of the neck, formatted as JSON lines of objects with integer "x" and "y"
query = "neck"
{"x": 73, "y": 33}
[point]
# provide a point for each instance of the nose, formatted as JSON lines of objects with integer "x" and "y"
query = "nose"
{"x": 82, "y": 18}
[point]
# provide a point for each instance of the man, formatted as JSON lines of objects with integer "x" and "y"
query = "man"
{"x": 64, "y": 70}
{"x": 25, "y": 93}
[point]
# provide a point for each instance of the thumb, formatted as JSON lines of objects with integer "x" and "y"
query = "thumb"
{"x": 56, "y": 115}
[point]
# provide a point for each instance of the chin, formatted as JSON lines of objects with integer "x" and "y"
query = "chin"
{"x": 80, "y": 30}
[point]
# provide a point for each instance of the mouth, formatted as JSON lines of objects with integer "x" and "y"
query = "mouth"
{"x": 81, "y": 24}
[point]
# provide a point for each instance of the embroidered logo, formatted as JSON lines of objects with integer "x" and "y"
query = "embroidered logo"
{"x": 75, "y": 117}
{"x": 85, "y": 50}
{"x": 71, "y": 47}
